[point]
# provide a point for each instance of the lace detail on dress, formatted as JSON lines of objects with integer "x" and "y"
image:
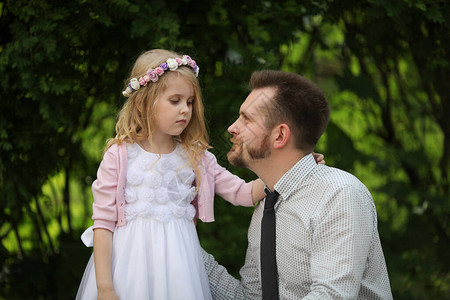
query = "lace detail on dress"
{"x": 159, "y": 187}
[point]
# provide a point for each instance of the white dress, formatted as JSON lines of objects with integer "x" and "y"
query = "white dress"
{"x": 156, "y": 254}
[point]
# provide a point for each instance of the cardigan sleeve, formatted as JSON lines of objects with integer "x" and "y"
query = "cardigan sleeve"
{"x": 227, "y": 185}
{"x": 104, "y": 190}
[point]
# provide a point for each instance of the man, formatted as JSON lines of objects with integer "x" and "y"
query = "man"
{"x": 327, "y": 242}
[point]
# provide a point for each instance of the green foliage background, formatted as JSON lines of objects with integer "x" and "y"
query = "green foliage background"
{"x": 384, "y": 66}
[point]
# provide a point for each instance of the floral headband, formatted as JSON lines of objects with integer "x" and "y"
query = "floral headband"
{"x": 153, "y": 75}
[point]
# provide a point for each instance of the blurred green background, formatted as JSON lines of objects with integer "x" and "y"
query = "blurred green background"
{"x": 384, "y": 66}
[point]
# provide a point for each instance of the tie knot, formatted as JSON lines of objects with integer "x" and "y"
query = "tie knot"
{"x": 271, "y": 199}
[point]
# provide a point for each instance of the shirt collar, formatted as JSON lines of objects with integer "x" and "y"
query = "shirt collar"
{"x": 289, "y": 182}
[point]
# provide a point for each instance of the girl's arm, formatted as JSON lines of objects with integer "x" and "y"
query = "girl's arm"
{"x": 102, "y": 259}
{"x": 105, "y": 188}
{"x": 258, "y": 190}
{"x": 232, "y": 188}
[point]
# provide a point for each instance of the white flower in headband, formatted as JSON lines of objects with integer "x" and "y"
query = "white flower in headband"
{"x": 134, "y": 84}
{"x": 152, "y": 75}
{"x": 172, "y": 64}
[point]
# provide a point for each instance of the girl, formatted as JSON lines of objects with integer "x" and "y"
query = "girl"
{"x": 155, "y": 177}
{"x": 151, "y": 172}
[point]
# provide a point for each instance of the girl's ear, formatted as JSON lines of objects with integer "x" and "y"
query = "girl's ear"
{"x": 282, "y": 134}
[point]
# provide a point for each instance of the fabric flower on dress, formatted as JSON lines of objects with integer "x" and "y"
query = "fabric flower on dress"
{"x": 153, "y": 180}
{"x": 145, "y": 163}
{"x": 130, "y": 212}
{"x": 130, "y": 195}
{"x": 134, "y": 178}
{"x": 147, "y": 210}
{"x": 162, "y": 214}
{"x": 179, "y": 211}
{"x": 162, "y": 196}
{"x": 148, "y": 195}
{"x": 190, "y": 212}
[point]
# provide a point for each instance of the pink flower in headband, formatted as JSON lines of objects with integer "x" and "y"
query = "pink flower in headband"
{"x": 179, "y": 61}
{"x": 192, "y": 64}
{"x": 159, "y": 71}
{"x": 142, "y": 81}
{"x": 153, "y": 76}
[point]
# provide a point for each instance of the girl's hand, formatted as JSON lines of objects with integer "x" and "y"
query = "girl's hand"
{"x": 107, "y": 294}
{"x": 319, "y": 158}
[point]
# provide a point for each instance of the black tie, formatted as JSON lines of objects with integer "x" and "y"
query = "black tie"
{"x": 269, "y": 273}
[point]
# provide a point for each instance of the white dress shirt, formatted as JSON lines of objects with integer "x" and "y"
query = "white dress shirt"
{"x": 328, "y": 245}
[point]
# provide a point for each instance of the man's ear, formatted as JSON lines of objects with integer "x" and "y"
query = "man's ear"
{"x": 282, "y": 134}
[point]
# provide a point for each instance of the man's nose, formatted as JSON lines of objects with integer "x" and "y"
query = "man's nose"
{"x": 233, "y": 128}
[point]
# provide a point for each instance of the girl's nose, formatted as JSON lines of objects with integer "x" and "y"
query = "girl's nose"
{"x": 184, "y": 108}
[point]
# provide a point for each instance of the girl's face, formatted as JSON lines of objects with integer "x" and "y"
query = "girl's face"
{"x": 174, "y": 107}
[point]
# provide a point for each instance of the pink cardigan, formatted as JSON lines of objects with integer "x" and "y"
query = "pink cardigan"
{"x": 109, "y": 188}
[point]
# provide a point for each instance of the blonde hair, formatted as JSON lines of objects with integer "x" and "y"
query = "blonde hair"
{"x": 136, "y": 118}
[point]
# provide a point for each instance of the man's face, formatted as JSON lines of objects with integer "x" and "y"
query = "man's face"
{"x": 250, "y": 135}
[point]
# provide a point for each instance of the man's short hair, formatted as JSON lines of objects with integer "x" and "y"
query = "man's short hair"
{"x": 298, "y": 102}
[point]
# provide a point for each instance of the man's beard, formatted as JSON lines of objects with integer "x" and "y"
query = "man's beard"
{"x": 236, "y": 156}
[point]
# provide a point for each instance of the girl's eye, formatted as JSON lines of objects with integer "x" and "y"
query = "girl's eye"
{"x": 190, "y": 102}
{"x": 174, "y": 101}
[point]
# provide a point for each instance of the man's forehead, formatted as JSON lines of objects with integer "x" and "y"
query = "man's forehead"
{"x": 258, "y": 99}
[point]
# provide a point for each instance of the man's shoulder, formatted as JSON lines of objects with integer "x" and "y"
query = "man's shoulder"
{"x": 336, "y": 178}
{"x": 339, "y": 188}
